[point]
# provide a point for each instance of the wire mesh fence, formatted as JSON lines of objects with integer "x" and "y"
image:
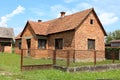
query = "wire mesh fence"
{"x": 66, "y": 58}
{"x": 83, "y": 57}
{"x": 35, "y": 57}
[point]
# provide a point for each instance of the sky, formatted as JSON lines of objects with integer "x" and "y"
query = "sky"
{"x": 15, "y": 13}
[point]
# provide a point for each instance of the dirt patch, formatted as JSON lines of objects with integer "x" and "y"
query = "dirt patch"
{"x": 2, "y": 69}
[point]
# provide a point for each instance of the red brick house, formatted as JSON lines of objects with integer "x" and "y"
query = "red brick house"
{"x": 6, "y": 39}
{"x": 81, "y": 31}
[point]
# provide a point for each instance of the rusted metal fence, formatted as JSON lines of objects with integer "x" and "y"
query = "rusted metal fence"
{"x": 72, "y": 57}
{"x": 66, "y": 58}
{"x": 36, "y": 59}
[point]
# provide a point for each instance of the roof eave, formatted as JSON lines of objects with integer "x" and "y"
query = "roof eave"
{"x": 25, "y": 28}
{"x": 92, "y": 9}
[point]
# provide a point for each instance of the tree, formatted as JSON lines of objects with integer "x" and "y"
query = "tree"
{"x": 116, "y": 35}
{"x": 109, "y": 37}
{"x": 113, "y": 36}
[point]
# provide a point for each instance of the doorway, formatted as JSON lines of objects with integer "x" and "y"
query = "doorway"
{"x": 28, "y": 46}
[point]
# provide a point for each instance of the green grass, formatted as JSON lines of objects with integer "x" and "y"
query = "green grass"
{"x": 32, "y": 61}
{"x": 10, "y": 63}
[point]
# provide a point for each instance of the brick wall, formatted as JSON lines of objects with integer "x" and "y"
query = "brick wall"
{"x": 27, "y": 34}
{"x": 34, "y": 51}
{"x": 68, "y": 40}
{"x": 16, "y": 49}
{"x": 39, "y": 53}
{"x": 8, "y": 49}
{"x": 90, "y": 31}
{"x": 88, "y": 55}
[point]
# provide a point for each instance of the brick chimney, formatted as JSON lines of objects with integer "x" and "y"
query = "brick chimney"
{"x": 62, "y": 14}
{"x": 39, "y": 20}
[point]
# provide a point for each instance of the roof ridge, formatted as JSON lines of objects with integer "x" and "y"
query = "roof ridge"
{"x": 68, "y": 22}
{"x": 80, "y": 12}
{"x": 91, "y": 9}
{"x": 72, "y": 14}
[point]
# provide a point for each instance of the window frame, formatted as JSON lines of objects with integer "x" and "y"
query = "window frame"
{"x": 42, "y": 43}
{"x": 91, "y": 21}
{"x": 57, "y": 43}
{"x": 91, "y": 44}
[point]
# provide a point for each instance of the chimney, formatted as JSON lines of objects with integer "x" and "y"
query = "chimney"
{"x": 62, "y": 14}
{"x": 39, "y": 20}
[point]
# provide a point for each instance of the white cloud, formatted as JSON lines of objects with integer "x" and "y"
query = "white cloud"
{"x": 108, "y": 18}
{"x": 7, "y": 17}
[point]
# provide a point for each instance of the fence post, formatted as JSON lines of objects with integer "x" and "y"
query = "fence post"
{"x": 113, "y": 56}
{"x": 54, "y": 57}
{"x": 74, "y": 56}
{"x": 68, "y": 58}
{"x": 21, "y": 59}
{"x": 94, "y": 57}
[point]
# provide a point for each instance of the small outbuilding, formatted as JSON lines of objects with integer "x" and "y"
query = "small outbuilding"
{"x": 115, "y": 43}
{"x": 6, "y": 39}
{"x": 113, "y": 50}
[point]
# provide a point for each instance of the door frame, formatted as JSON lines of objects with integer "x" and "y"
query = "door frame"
{"x": 28, "y": 46}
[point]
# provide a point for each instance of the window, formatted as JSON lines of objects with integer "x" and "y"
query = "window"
{"x": 41, "y": 43}
{"x": 6, "y": 43}
{"x": 59, "y": 43}
{"x": 91, "y": 44}
{"x": 115, "y": 44}
{"x": 91, "y": 21}
{"x": 19, "y": 45}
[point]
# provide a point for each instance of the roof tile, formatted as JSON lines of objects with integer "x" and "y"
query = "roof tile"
{"x": 6, "y": 32}
{"x": 60, "y": 24}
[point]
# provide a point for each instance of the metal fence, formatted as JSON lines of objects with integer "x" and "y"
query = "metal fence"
{"x": 33, "y": 58}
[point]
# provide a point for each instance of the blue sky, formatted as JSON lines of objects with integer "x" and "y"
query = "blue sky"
{"x": 15, "y": 13}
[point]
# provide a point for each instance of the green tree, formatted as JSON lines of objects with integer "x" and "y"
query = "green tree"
{"x": 113, "y": 36}
{"x": 109, "y": 37}
{"x": 116, "y": 35}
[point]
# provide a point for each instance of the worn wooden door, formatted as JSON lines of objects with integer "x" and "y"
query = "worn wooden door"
{"x": 28, "y": 45}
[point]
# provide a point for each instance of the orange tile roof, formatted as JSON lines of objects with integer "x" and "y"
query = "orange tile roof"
{"x": 61, "y": 24}
{"x": 39, "y": 28}
{"x": 68, "y": 22}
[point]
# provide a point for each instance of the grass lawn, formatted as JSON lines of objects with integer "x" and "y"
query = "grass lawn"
{"x": 32, "y": 61}
{"x": 10, "y": 70}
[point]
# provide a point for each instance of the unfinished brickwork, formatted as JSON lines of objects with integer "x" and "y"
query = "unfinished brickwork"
{"x": 17, "y": 49}
{"x": 89, "y": 31}
{"x": 75, "y": 30}
{"x": 68, "y": 40}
